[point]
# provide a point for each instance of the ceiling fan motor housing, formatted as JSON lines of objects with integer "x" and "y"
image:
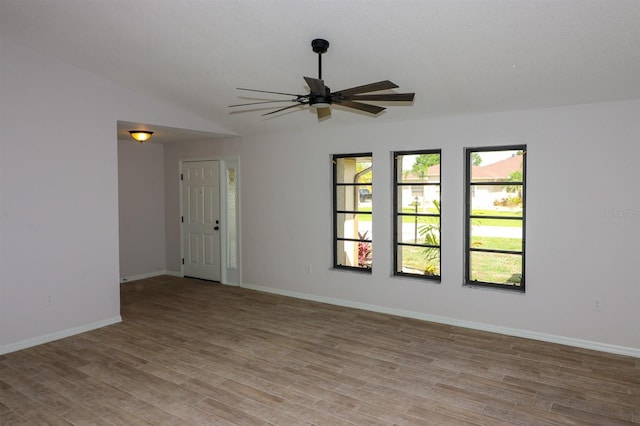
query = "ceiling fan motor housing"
{"x": 320, "y": 100}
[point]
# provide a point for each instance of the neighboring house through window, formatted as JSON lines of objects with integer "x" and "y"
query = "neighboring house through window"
{"x": 352, "y": 212}
{"x": 495, "y": 216}
{"x": 417, "y": 213}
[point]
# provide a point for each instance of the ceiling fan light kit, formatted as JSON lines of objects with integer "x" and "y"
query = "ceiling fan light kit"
{"x": 321, "y": 98}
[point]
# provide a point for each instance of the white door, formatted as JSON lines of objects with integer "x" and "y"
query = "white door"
{"x": 201, "y": 219}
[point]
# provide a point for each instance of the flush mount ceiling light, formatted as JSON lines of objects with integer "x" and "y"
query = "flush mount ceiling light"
{"x": 140, "y": 135}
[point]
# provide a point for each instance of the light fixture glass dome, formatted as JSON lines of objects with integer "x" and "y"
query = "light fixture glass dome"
{"x": 140, "y": 135}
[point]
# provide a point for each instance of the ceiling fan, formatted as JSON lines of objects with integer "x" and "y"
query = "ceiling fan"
{"x": 321, "y": 97}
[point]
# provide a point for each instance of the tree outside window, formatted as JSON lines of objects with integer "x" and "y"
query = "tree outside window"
{"x": 417, "y": 213}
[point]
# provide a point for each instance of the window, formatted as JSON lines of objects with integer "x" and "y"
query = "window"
{"x": 416, "y": 211}
{"x": 352, "y": 201}
{"x": 232, "y": 227}
{"x": 495, "y": 216}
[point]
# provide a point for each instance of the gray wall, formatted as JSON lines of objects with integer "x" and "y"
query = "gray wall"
{"x": 59, "y": 210}
{"x": 141, "y": 208}
{"x": 59, "y": 261}
{"x": 583, "y": 221}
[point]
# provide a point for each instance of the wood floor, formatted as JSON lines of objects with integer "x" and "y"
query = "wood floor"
{"x": 196, "y": 353}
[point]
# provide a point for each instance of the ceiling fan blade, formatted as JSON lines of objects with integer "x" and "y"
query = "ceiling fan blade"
{"x": 408, "y": 97}
{"x": 323, "y": 112}
{"x": 316, "y": 85}
{"x": 266, "y": 91}
{"x": 263, "y": 102}
{"x": 372, "y": 109}
{"x": 285, "y": 108}
{"x": 373, "y": 87}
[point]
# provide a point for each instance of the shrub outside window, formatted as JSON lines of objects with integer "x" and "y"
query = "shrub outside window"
{"x": 416, "y": 211}
{"x": 352, "y": 211}
{"x": 495, "y": 217}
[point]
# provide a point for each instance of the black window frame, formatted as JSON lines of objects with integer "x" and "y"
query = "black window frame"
{"x": 397, "y": 214}
{"x": 336, "y": 212}
{"x": 468, "y": 217}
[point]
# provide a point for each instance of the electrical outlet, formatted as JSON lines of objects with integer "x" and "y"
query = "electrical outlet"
{"x": 597, "y": 304}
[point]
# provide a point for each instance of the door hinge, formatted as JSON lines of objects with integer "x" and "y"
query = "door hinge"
{"x": 183, "y": 261}
{"x": 181, "y": 176}
{"x": 182, "y": 219}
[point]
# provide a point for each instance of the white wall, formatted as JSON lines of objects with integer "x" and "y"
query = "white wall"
{"x": 141, "y": 209}
{"x": 583, "y": 221}
{"x": 59, "y": 194}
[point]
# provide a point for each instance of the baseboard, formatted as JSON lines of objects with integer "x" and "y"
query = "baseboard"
{"x": 24, "y": 344}
{"x": 551, "y": 338}
{"x": 130, "y": 278}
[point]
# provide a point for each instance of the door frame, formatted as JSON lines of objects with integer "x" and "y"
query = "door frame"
{"x": 230, "y": 275}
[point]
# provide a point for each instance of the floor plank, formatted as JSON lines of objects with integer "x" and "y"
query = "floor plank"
{"x": 190, "y": 352}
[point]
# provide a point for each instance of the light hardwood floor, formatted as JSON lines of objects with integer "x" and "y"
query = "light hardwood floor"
{"x": 197, "y": 353}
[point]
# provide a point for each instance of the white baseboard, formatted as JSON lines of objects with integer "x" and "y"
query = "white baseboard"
{"x": 551, "y": 338}
{"x": 148, "y": 275}
{"x": 24, "y": 344}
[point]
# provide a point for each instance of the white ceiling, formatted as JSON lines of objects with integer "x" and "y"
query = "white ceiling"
{"x": 459, "y": 57}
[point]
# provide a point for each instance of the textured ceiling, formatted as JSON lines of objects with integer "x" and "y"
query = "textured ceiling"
{"x": 459, "y": 57}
